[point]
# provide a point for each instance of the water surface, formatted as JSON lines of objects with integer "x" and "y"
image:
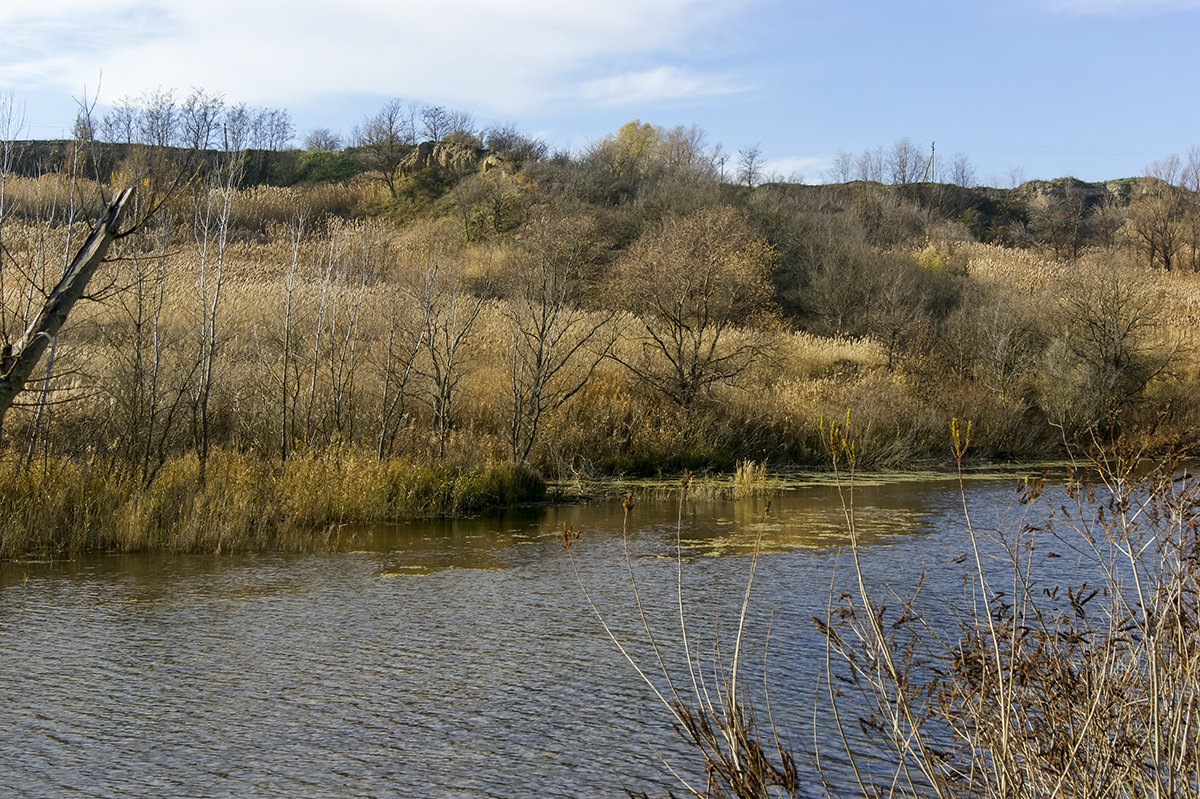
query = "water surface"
{"x": 444, "y": 659}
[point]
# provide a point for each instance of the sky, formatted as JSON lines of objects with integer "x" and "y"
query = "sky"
{"x": 1025, "y": 89}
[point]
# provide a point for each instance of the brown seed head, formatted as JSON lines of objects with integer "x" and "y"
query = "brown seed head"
{"x": 568, "y": 536}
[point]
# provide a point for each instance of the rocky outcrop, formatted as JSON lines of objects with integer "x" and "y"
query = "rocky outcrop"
{"x": 457, "y": 158}
{"x": 1061, "y": 188}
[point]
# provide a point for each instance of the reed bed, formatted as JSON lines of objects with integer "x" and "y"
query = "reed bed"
{"x": 1030, "y": 274}
{"x": 234, "y": 501}
{"x": 273, "y": 321}
{"x": 52, "y": 195}
{"x": 303, "y": 343}
{"x": 303, "y": 330}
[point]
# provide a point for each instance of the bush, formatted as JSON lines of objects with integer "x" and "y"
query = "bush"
{"x": 322, "y": 166}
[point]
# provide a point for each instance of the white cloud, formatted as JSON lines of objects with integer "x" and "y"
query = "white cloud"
{"x": 1103, "y": 8}
{"x": 795, "y": 167}
{"x": 662, "y": 83}
{"x": 480, "y": 54}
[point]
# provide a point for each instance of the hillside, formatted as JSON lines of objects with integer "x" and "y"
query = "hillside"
{"x": 466, "y": 311}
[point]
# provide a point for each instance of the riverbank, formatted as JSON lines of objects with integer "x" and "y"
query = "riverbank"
{"x": 52, "y": 506}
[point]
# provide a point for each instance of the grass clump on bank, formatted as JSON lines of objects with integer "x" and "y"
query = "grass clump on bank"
{"x": 234, "y": 501}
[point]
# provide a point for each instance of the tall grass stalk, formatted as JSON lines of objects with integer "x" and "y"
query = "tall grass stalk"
{"x": 1038, "y": 681}
{"x": 60, "y": 507}
{"x": 709, "y": 709}
{"x": 750, "y": 479}
{"x": 1034, "y": 683}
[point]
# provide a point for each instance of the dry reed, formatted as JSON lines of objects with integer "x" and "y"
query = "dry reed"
{"x": 234, "y": 501}
{"x": 1031, "y": 684}
{"x": 708, "y": 708}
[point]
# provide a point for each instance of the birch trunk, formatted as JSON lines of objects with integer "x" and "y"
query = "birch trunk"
{"x": 16, "y": 366}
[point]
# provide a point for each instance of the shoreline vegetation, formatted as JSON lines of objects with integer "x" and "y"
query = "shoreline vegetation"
{"x": 237, "y": 502}
{"x": 1035, "y": 680}
{"x": 436, "y": 319}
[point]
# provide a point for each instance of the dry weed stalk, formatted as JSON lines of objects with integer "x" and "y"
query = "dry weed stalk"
{"x": 1034, "y": 684}
{"x": 711, "y": 711}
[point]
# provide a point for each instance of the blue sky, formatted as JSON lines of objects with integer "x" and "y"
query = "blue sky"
{"x": 1097, "y": 89}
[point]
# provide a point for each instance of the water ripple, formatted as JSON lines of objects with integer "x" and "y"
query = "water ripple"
{"x": 346, "y": 675}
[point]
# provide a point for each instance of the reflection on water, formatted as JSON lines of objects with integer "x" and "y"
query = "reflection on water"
{"x": 449, "y": 658}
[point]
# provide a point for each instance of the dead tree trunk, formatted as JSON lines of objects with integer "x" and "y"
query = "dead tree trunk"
{"x": 16, "y": 365}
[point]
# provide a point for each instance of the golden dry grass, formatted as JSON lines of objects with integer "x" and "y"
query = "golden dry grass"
{"x": 337, "y": 291}
{"x": 350, "y": 293}
{"x": 234, "y": 501}
{"x": 1037, "y": 277}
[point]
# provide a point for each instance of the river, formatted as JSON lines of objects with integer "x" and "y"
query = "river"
{"x": 439, "y": 659}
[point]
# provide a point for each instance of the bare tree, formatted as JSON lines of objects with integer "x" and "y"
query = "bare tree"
{"x": 750, "y": 165}
{"x": 556, "y": 343}
{"x": 200, "y": 117}
{"x": 690, "y": 283}
{"x": 1190, "y": 181}
{"x": 509, "y": 140}
{"x": 20, "y": 358}
{"x": 361, "y": 261}
{"x": 236, "y": 132}
{"x": 435, "y": 124}
{"x": 1016, "y": 176}
{"x": 1106, "y": 220}
{"x": 70, "y": 208}
{"x": 272, "y": 129}
{"x": 289, "y": 379}
{"x": 686, "y": 149}
{"x": 85, "y": 128}
{"x": 1058, "y": 219}
{"x": 447, "y": 311}
{"x": 147, "y": 394}
{"x": 962, "y": 171}
{"x": 158, "y": 122}
{"x": 385, "y": 140}
{"x": 121, "y": 123}
{"x": 460, "y": 122}
{"x": 870, "y": 165}
{"x": 322, "y": 139}
{"x": 896, "y": 307}
{"x": 1156, "y": 213}
{"x": 438, "y": 122}
{"x": 45, "y": 301}
{"x": 906, "y": 163}
{"x": 12, "y": 124}
{"x": 842, "y": 169}
{"x": 1106, "y": 355}
{"x": 405, "y": 343}
{"x": 211, "y": 230}
{"x": 488, "y": 203}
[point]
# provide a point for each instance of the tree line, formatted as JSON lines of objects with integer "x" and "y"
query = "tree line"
{"x": 639, "y": 305}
